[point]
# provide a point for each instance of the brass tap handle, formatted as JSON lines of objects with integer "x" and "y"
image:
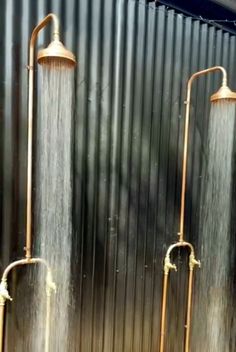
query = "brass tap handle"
{"x": 193, "y": 261}
{"x": 168, "y": 265}
{"x": 50, "y": 284}
{"x": 4, "y": 294}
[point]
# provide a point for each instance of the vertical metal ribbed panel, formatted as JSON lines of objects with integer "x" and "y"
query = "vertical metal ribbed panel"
{"x": 133, "y": 64}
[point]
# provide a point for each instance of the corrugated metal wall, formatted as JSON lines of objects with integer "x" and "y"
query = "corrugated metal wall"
{"x": 134, "y": 61}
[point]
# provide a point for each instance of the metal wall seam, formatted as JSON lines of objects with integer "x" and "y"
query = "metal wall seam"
{"x": 155, "y": 173}
{"x": 2, "y": 102}
{"x": 147, "y": 192}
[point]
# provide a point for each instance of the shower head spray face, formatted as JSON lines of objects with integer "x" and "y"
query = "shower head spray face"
{"x": 223, "y": 93}
{"x": 56, "y": 52}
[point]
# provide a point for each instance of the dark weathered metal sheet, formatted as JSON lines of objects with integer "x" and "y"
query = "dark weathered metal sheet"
{"x": 133, "y": 63}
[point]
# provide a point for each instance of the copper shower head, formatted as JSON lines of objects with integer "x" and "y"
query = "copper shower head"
{"x": 223, "y": 93}
{"x": 56, "y": 52}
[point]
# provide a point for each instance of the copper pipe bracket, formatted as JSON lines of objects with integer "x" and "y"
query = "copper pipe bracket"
{"x": 181, "y": 236}
{"x": 29, "y": 67}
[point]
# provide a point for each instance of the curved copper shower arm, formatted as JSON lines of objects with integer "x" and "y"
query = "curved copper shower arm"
{"x": 23, "y": 262}
{"x": 186, "y": 133}
{"x": 40, "y": 26}
{"x": 4, "y": 294}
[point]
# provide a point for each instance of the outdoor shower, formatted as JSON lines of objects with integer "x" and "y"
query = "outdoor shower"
{"x": 223, "y": 94}
{"x": 55, "y": 53}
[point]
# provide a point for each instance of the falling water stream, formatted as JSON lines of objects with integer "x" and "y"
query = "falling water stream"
{"x": 53, "y": 205}
{"x": 213, "y": 309}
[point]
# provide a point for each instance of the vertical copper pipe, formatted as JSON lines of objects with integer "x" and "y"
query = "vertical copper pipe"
{"x": 50, "y": 286}
{"x": 189, "y": 307}
{"x": 42, "y": 24}
{"x": 2, "y": 312}
{"x": 163, "y": 311}
{"x": 29, "y": 157}
{"x": 47, "y": 325}
{"x": 184, "y": 168}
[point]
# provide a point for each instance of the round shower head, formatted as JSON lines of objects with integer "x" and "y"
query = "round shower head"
{"x": 58, "y": 53}
{"x": 223, "y": 93}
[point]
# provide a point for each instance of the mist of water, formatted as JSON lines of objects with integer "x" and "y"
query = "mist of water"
{"x": 53, "y": 205}
{"x": 213, "y": 310}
